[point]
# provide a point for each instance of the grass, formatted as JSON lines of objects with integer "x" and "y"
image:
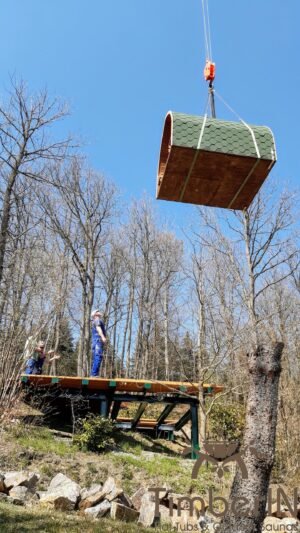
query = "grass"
{"x": 39, "y": 450}
{"x": 41, "y": 440}
{"x": 167, "y": 470}
{"x": 133, "y": 468}
{"x": 130, "y": 442}
{"x": 129, "y": 447}
{"x": 13, "y": 518}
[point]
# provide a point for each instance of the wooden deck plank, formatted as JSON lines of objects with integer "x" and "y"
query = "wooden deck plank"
{"x": 121, "y": 384}
{"x": 145, "y": 422}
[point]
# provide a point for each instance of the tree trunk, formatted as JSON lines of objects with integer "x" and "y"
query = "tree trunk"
{"x": 128, "y": 351}
{"x": 113, "y": 361}
{"x": 251, "y": 271}
{"x": 87, "y": 338}
{"x": 6, "y": 207}
{"x": 202, "y": 417}
{"x": 166, "y": 333}
{"x": 264, "y": 367}
{"x": 125, "y": 333}
{"x": 53, "y": 365}
{"x": 82, "y": 340}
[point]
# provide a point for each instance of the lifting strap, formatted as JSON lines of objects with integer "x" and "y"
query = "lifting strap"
{"x": 252, "y": 169}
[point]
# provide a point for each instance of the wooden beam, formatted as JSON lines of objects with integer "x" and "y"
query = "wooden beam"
{"x": 183, "y": 420}
{"x": 165, "y": 413}
{"x": 144, "y": 422}
{"x": 138, "y": 415}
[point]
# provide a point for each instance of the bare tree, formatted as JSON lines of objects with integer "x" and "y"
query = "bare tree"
{"x": 80, "y": 212}
{"x": 25, "y": 147}
{"x": 268, "y": 251}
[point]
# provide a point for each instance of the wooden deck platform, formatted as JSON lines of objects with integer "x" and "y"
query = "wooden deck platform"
{"x": 108, "y": 396}
{"x": 120, "y": 384}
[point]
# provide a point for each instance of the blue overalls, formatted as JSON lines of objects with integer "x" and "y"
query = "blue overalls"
{"x": 34, "y": 365}
{"x": 97, "y": 346}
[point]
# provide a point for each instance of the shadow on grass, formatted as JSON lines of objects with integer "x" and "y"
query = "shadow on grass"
{"x": 18, "y": 519}
{"x": 129, "y": 442}
{"x": 125, "y": 440}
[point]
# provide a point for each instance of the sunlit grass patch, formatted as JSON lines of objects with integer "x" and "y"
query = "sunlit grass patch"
{"x": 40, "y": 439}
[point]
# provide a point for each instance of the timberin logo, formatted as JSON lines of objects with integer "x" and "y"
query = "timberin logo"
{"x": 218, "y": 454}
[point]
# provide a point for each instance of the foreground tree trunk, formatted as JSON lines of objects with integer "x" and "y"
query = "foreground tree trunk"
{"x": 264, "y": 367}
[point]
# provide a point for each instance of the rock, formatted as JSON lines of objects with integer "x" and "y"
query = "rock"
{"x": 165, "y": 517}
{"x": 14, "y": 501}
{"x": 174, "y": 496}
{"x": 271, "y": 523}
{"x": 59, "y": 480}
{"x": 99, "y": 510}
{"x": 32, "y": 480}
{"x": 2, "y": 484}
{"x": 125, "y": 500}
{"x": 185, "y": 522}
{"x": 62, "y": 494}
{"x": 147, "y": 511}
{"x": 137, "y": 498}
{"x": 20, "y": 493}
{"x": 86, "y": 493}
{"x": 109, "y": 486}
{"x": 182, "y": 501}
{"x": 179, "y": 500}
{"x": 40, "y": 493}
{"x": 25, "y": 479}
{"x": 3, "y": 497}
{"x": 91, "y": 501}
{"x": 207, "y": 524}
{"x": 109, "y": 492}
{"x": 116, "y": 493}
{"x": 291, "y": 524}
{"x": 162, "y": 494}
{"x": 121, "y": 512}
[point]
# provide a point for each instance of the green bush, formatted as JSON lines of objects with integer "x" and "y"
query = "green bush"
{"x": 95, "y": 433}
{"x": 226, "y": 422}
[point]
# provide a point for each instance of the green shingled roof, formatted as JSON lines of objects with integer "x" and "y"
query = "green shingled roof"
{"x": 222, "y": 136}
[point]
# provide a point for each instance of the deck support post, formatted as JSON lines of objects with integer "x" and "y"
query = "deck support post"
{"x": 115, "y": 409}
{"x": 104, "y": 406}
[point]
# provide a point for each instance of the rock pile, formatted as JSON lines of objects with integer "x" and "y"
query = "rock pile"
{"x": 18, "y": 487}
{"x": 63, "y": 494}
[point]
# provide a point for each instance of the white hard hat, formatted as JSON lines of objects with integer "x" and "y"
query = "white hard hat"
{"x": 95, "y": 312}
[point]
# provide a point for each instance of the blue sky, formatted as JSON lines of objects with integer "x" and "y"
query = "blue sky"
{"x": 122, "y": 64}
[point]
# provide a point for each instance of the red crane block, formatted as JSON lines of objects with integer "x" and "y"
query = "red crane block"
{"x": 209, "y": 71}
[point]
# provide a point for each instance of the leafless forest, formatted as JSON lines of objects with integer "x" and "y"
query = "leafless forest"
{"x": 184, "y": 305}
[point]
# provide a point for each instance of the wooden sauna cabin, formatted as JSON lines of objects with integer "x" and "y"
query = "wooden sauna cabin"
{"x": 213, "y": 162}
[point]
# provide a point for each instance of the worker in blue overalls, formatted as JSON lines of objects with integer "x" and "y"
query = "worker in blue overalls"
{"x": 35, "y": 356}
{"x": 98, "y": 341}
